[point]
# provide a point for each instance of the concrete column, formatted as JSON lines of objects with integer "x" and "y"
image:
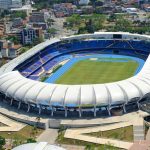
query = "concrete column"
{"x": 80, "y": 112}
{"x": 138, "y": 104}
{"x": 52, "y": 111}
{"x": 1, "y": 96}
{"x": 94, "y": 111}
{"x": 108, "y": 109}
{"x": 124, "y": 108}
{"x": 66, "y": 112}
{"x": 40, "y": 109}
{"x": 11, "y": 101}
{"x": 19, "y": 104}
{"x": 28, "y": 108}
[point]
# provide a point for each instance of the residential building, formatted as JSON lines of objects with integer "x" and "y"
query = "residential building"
{"x": 28, "y": 35}
{"x": 5, "y": 4}
{"x": 37, "y": 17}
{"x": 87, "y": 9}
{"x": 16, "y": 4}
{"x": 26, "y": 8}
{"x": 8, "y": 49}
{"x": 2, "y": 29}
{"x": 42, "y": 25}
{"x": 64, "y": 9}
{"x": 84, "y": 2}
{"x": 17, "y": 22}
{"x": 8, "y": 4}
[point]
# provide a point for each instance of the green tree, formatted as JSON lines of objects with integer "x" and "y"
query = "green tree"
{"x": 13, "y": 39}
{"x": 37, "y": 40}
{"x": 107, "y": 146}
{"x": 50, "y": 21}
{"x": 31, "y": 140}
{"x": 2, "y": 142}
{"x": 19, "y": 14}
{"x": 122, "y": 25}
{"x": 52, "y": 31}
{"x": 89, "y": 147}
{"x": 90, "y": 26}
{"x": 112, "y": 17}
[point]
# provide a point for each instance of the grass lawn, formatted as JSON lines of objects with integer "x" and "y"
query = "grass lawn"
{"x": 91, "y": 146}
{"x": 123, "y": 134}
{"x": 24, "y": 134}
{"x": 92, "y": 72}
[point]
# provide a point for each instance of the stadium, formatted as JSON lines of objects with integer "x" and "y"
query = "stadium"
{"x": 51, "y": 77}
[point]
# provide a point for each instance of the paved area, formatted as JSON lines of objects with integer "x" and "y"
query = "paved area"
{"x": 148, "y": 135}
{"x": 49, "y": 136}
{"x": 140, "y": 145}
{"x": 72, "y": 147}
{"x": 14, "y": 113}
{"x": 9, "y": 125}
{"x": 58, "y": 25}
{"x": 138, "y": 128}
{"x": 129, "y": 117}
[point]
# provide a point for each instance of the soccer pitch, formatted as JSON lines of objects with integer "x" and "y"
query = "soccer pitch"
{"x": 92, "y": 72}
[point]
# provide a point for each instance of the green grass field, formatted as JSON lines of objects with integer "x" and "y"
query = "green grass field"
{"x": 92, "y": 72}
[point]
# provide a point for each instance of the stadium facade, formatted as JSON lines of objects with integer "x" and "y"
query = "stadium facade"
{"x": 19, "y": 80}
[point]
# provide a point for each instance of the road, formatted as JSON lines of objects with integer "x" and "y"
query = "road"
{"x": 58, "y": 25}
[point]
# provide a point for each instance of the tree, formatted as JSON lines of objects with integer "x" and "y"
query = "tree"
{"x": 122, "y": 25}
{"x": 2, "y": 142}
{"x": 50, "y": 21}
{"x": 37, "y": 41}
{"x": 23, "y": 49}
{"x": 13, "y": 39}
{"x": 112, "y": 17}
{"x": 107, "y": 146}
{"x": 90, "y": 27}
{"x": 19, "y": 14}
{"x": 31, "y": 140}
{"x": 89, "y": 147}
{"x": 52, "y": 31}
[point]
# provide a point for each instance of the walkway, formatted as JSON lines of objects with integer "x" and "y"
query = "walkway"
{"x": 138, "y": 129}
{"x": 8, "y": 125}
{"x": 148, "y": 135}
{"x": 48, "y": 136}
{"x": 140, "y": 145}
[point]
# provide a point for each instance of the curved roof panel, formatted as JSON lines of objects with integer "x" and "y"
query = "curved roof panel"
{"x": 14, "y": 85}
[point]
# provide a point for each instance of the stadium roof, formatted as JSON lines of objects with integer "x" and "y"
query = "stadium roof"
{"x": 38, "y": 146}
{"x": 14, "y": 85}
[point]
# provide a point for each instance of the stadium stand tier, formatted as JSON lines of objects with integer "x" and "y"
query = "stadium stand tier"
{"x": 20, "y": 78}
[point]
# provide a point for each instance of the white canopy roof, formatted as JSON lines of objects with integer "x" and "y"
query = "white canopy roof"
{"x": 38, "y": 146}
{"x": 14, "y": 85}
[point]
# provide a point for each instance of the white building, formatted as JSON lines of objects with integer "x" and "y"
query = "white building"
{"x": 131, "y": 10}
{"x": 16, "y": 4}
{"x": 8, "y": 4}
{"x": 84, "y": 2}
{"x": 26, "y": 8}
{"x": 5, "y": 4}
